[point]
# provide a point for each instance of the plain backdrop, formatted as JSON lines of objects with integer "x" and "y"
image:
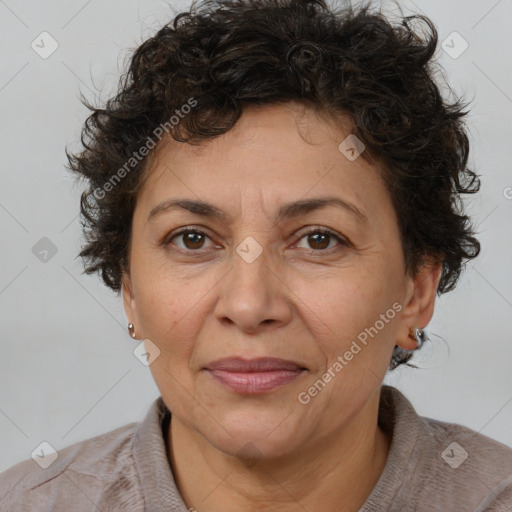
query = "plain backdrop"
{"x": 67, "y": 368}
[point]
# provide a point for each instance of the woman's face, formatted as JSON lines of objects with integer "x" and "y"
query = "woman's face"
{"x": 253, "y": 283}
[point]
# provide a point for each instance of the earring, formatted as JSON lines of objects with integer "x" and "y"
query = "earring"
{"x": 402, "y": 355}
{"x": 131, "y": 330}
{"x": 420, "y": 335}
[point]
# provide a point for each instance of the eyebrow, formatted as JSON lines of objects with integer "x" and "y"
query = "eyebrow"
{"x": 286, "y": 211}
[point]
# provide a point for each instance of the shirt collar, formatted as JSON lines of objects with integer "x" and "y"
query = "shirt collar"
{"x": 158, "y": 484}
{"x": 397, "y": 417}
{"x": 400, "y": 421}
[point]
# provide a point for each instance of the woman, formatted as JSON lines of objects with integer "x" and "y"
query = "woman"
{"x": 275, "y": 191}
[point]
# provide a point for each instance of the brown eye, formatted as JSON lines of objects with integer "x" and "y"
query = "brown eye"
{"x": 191, "y": 239}
{"x": 319, "y": 240}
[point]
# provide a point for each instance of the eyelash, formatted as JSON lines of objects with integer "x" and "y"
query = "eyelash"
{"x": 343, "y": 242}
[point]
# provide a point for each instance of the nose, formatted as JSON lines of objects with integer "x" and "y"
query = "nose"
{"x": 253, "y": 296}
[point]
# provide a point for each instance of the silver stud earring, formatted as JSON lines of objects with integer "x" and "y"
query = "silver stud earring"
{"x": 402, "y": 355}
{"x": 420, "y": 335}
{"x": 131, "y": 330}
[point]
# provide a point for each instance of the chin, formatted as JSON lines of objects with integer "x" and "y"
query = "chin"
{"x": 250, "y": 448}
{"x": 255, "y": 433}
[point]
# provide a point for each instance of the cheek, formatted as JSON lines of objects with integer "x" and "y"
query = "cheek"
{"x": 346, "y": 320}
{"x": 159, "y": 311}
{"x": 167, "y": 318}
{"x": 351, "y": 307}
{"x": 172, "y": 310}
{"x": 165, "y": 298}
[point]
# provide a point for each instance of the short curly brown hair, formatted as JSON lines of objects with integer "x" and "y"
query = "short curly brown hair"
{"x": 225, "y": 55}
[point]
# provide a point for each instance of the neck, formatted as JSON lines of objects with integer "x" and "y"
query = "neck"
{"x": 337, "y": 472}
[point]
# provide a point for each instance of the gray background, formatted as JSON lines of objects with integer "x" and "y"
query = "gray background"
{"x": 67, "y": 371}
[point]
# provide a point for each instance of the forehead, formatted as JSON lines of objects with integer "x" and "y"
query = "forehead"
{"x": 273, "y": 154}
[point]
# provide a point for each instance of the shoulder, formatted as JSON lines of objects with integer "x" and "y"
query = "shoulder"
{"x": 445, "y": 465}
{"x": 466, "y": 445}
{"x": 470, "y": 463}
{"x": 84, "y": 474}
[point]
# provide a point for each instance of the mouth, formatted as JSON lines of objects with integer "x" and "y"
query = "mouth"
{"x": 254, "y": 376}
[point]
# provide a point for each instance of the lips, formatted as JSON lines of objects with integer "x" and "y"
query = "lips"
{"x": 262, "y": 364}
{"x": 254, "y": 376}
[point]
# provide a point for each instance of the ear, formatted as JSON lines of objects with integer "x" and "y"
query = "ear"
{"x": 419, "y": 304}
{"x": 129, "y": 303}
